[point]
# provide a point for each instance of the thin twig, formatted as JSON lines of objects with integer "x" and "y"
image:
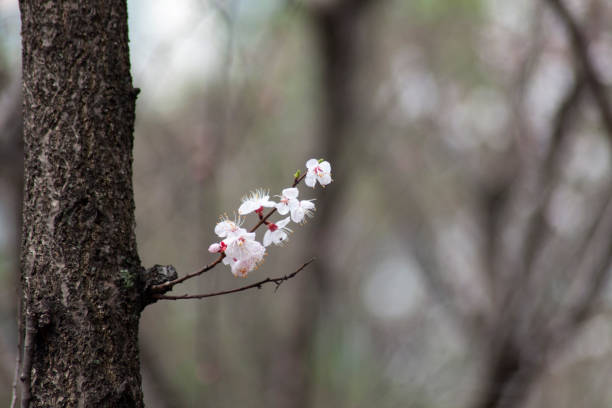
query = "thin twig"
{"x": 581, "y": 50}
{"x": 19, "y": 352}
{"x": 278, "y": 281}
{"x": 170, "y": 284}
{"x": 28, "y": 350}
{"x": 14, "y": 387}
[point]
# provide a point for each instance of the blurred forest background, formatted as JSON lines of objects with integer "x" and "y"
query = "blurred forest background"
{"x": 464, "y": 248}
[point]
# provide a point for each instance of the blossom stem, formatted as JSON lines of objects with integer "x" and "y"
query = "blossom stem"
{"x": 277, "y": 281}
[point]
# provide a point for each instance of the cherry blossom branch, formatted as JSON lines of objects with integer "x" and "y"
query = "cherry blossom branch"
{"x": 166, "y": 286}
{"x": 277, "y": 281}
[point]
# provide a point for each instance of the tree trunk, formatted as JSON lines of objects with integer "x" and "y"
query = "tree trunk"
{"x": 80, "y": 270}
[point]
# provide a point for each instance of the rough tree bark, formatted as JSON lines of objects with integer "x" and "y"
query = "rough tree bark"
{"x": 80, "y": 271}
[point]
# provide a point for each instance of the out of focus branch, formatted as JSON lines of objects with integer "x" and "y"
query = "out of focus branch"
{"x": 592, "y": 273}
{"x": 521, "y": 130}
{"x": 421, "y": 239}
{"x": 415, "y": 228}
{"x": 11, "y": 150}
{"x": 592, "y": 269}
{"x": 495, "y": 197}
{"x": 257, "y": 285}
{"x": 581, "y": 51}
{"x": 511, "y": 387}
{"x": 11, "y": 173}
{"x": 512, "y": 369}
{"x": 537, "y": 229}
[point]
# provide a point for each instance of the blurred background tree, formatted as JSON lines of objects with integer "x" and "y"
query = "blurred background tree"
{"x": 464, "y": 248}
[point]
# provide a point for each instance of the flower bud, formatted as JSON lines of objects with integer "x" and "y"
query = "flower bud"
{"x": 214, "y": 248}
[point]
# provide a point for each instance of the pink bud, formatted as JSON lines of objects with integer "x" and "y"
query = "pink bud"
{"x": 214, "y": 248}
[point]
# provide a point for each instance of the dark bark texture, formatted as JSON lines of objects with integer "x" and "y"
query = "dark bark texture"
{"x": 80, "y": 268}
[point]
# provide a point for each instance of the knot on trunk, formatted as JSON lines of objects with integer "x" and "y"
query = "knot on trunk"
{"x": 154, "y": 276}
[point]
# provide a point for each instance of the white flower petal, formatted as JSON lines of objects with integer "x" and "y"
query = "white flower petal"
{"x": 256, "y": 250}
{"x": 297, "y": 214}
{"x": 310, "y": 180}
{"x": 268, "y": 203}
{"x": 280, "y": 236}
{"x": 243, "y": 246}
{"x": 307, "y": 204}
{"x": 243, "y": 267}
{"x": 267, "y": 240}
{"x": 325, "y": 166}
{"x": 282, "y": 208}
{"x": 325, "y": 179}
{"x": 311, "y": 164}
{"x": 221, "y": 229}
{"x": 291, "y": 192}
{"x": 248, "y": 207}
{"x": 225, "y": 227}
{"x": 282, "y": 223}
{"x": 234, "y": 235}
{"x": 294, "y": 203}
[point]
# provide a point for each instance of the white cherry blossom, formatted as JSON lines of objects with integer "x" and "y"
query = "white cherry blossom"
{"x": 242, "y": 267}
{"x": 287, "y": 197}
{"x": 320, "y": 172}
{"x": 243, "y": 246}
{"x": 276, "y": 233}
{"x": 226, "y": 227}
{"x": 301, "y": 209}
{"x": 256, "y": 201}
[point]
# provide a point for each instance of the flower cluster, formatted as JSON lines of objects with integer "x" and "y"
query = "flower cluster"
{"x": 242, "y": 252}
